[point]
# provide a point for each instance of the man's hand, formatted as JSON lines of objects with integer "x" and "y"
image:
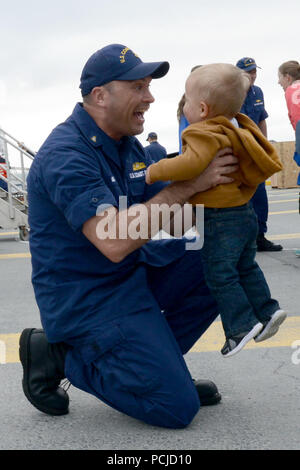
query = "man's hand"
{"x": 216, "y": 173}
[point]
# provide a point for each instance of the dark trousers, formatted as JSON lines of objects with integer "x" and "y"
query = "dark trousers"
{"x": 232, "y": 274}
{"x": 135, "y": 364}
{"x": 260, "y": 205}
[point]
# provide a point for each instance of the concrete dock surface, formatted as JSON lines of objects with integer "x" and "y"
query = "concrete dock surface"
{"x": 260, "y": 386}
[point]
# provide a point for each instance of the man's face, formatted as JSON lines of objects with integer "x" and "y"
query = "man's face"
{"x": 252, "y": 75}
{"x": 125, "y": 105}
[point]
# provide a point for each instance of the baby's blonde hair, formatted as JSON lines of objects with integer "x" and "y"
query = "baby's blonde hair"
{"x": 223, "y": 87}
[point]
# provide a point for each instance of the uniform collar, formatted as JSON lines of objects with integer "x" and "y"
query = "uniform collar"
{"x": 98, "y": 138}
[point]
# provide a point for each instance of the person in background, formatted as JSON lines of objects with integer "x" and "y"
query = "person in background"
{"x": 182, "y": 120}
{"x": 154, "y": 150}
{"x": 289, "y": 79}
{"x": 254, "y": 108}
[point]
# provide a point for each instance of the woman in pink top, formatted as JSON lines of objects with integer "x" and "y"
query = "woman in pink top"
{"x": 289, "y": 79}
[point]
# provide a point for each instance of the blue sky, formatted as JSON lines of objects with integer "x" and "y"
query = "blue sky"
{"x": 44, "y": 47}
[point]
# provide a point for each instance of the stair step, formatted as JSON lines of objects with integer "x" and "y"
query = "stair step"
{"x": 20, "y": 207}
{"x": 17, "y": 204}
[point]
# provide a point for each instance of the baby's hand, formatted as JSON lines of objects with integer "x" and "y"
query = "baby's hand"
{"x": 148, "y": 179}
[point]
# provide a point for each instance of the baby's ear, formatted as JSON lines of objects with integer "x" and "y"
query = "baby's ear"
{"x": 204, "y": 109}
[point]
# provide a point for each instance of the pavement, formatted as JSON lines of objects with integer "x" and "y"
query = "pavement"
{"x": 260, "y": 386}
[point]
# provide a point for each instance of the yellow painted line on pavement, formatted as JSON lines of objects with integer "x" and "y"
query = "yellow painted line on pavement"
{"x": 2, "y": 234}
{"x": 284, "y": 212}
{"x": 15, "y": 255}
{"x": 283, "y": 200}
{"x": 212, "y": 340}
{"x": 9, "y": 348}
{"x": 284, "y": 236}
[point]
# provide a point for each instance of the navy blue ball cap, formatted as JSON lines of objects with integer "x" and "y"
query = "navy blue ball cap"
{"x": 117, "y": 62}
{"x": 247, "y": 64}
{"x": 152, "y": 135}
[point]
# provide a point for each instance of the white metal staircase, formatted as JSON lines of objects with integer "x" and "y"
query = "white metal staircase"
{"x": 15, "y": 161}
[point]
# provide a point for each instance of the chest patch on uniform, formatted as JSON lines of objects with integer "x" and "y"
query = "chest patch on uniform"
{"x": 258, "y": 102}
{"x": 137, "y": 174}
{"x": 138, "y": 166}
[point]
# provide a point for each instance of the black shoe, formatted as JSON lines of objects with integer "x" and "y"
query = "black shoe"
{"x": 235, "y": 343}
{"x": 43, "y": 369}
{"x": 266, "y": 245}
{"x": 208, "y": 392}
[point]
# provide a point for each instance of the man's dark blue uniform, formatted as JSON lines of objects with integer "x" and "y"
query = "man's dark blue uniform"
{"x": 254, "y": 108}
{"x": 123, "y": 349}
{"x": 154, "y": 150}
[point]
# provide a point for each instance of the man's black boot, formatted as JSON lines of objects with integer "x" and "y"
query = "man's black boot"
{"x": 43, "y": 369}
{"x": 266, "y": 245}
{"x": 208, "y": 392}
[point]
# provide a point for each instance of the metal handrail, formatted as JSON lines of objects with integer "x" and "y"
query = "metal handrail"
{"x": 12, "y": 184}
{"x": 8, "y": 143}
{"x": 18, "y": 144}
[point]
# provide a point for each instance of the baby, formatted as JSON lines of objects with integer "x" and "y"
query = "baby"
{"x": 214, "y": 95}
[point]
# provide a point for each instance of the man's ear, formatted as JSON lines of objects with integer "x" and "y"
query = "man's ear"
{"x": 98, "y": 94}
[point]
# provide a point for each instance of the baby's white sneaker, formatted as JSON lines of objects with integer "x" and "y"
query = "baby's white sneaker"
{"x": 272, "y": 326}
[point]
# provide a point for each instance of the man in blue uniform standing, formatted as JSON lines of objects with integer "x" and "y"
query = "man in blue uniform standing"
{"x": 254, "y": 108}
{"x": 118, "y": 312}
{"x": 154, "y": 150}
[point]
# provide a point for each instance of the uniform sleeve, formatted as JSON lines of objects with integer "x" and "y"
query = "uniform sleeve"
{"x": 75, "y": 185}
{"x": 199, "y": 150}
{"x": 153, "y": 189}
{"x": 263, "y": 112}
